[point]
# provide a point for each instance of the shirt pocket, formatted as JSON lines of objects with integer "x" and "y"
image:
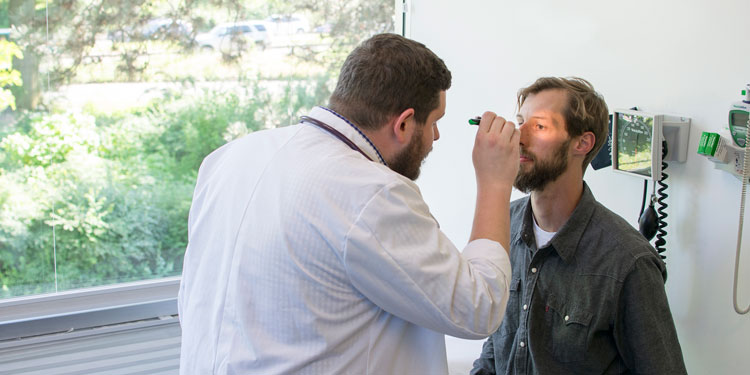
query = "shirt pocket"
{"x": 566, "y": 330}
{"x": 510, "y": 321}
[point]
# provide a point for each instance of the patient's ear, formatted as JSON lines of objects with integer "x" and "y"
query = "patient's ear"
{"x": 584, "y": 143}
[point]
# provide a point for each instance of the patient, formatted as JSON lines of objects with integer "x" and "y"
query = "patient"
{"x": 587, "y": 294}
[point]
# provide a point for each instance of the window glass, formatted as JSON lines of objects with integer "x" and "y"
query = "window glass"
{"x": 108, "y": 107}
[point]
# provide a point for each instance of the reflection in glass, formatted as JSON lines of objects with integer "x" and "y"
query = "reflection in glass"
{"x": 634, "y": 134}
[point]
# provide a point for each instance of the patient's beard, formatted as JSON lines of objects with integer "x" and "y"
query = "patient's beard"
{"x": 542, "y": 172}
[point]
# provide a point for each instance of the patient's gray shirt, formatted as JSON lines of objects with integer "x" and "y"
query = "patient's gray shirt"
{"x": 591, "y": 301}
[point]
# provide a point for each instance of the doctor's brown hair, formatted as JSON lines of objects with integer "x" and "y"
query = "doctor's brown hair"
{"x": 586, "y": 110}
{"x": 386, "y": 75}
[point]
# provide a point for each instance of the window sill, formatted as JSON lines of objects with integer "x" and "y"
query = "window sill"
{"x": 73, "y": 310}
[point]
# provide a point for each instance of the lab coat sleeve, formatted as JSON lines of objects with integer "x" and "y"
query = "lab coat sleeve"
{"x": 396, "y": 256}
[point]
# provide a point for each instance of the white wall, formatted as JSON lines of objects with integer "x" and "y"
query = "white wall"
{"x": 678, "y": 57}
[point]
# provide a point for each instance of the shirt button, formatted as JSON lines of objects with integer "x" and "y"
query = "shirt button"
{"x": 522, "y": 344}
{"x": 567, "y": 317}
{"x": 533, "y": 270}
{"x": 525, "y": 307}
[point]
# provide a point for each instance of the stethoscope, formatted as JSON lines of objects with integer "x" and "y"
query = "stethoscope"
{"x": 322, "y": 125}
{"x": 335, "y": 133}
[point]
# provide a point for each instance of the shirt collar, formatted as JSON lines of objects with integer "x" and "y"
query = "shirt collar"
{"x": 565, "y": 242}
{"x": 348, "y": 129}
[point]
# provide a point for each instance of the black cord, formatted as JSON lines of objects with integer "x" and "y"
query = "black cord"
{"x": 643, "y": 202}
{"x": 661, "y": 210}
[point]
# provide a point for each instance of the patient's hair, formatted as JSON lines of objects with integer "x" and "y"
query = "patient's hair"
{"x": 386, "y": 75}
{"x": 586, "y": 110}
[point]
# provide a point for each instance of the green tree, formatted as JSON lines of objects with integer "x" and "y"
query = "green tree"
{"x": 8, "y": 75}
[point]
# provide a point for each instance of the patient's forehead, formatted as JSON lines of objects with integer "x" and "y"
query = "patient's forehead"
{"x": 546, "y": 104}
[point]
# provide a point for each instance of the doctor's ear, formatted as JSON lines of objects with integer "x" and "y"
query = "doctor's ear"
{"x": 403, "y": 125}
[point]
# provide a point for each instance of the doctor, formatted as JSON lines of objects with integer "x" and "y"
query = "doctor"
{"x": 310, "y": 249}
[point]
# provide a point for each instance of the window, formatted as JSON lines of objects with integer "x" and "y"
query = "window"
{"x": 108, "y": 108}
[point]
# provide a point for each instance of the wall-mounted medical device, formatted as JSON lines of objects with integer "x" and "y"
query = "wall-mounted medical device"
{"x": 641, "y": 144}
{"x": 739, "y": 114}
{"x": 731, "y": 155}
{"x": 639, "y": 139}
{"x": 727, "y": 148}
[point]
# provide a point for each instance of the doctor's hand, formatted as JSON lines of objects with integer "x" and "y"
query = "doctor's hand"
{"x": 496, "y": 152}
{"x": 496, "y": 162}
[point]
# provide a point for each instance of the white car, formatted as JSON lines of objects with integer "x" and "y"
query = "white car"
{"x": 287, "y": 24}
{"x": 234, "y": 37}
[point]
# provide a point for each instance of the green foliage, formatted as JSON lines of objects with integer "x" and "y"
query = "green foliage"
{"x": 8, "y": 75}
{"x": 51, "y": 139}
{"x": 107, "y": 196}
{"x": 190, "y": 134}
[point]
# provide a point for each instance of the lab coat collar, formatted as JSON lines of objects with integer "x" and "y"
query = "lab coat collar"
{"x": 348, "y": 129}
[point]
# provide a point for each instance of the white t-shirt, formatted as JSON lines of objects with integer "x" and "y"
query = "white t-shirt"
{"x": 542, "y": 237}
{"x": 305, "y": 257}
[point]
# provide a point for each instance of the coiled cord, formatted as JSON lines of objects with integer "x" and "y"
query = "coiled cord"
{"x": 662, "y": 201}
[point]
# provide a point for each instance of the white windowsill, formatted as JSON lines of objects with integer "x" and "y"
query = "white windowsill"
{"x": 87, "y": 308}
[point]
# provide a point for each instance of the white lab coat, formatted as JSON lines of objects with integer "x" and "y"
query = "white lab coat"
{"x": 305, "y": 257}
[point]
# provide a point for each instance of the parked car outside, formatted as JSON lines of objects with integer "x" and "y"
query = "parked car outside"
{"x": 287, "y": 24}
{"x": 233, "y": 37}
{"x": 165, "y": 27}
{"x": 155, "y": 29}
